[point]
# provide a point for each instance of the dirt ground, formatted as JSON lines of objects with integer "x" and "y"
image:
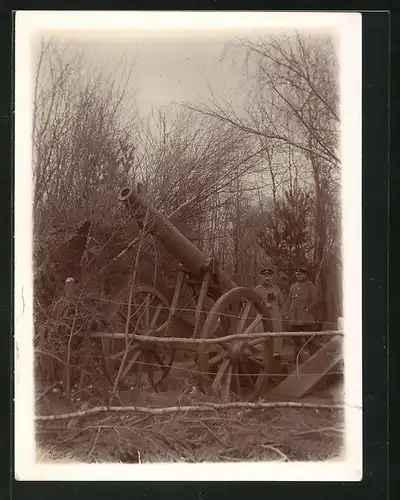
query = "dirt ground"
{"x": 278, "y": 434}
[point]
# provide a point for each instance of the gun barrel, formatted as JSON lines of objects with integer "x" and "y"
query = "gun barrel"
{"x": 173, "y": 240}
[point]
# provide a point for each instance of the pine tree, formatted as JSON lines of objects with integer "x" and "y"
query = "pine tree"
{"x": 285, "y": 235}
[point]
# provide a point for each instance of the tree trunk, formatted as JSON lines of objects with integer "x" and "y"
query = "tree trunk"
{"x": 320, "y": 242}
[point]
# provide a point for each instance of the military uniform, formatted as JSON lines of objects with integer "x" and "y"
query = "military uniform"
{"x": 273, "y": 297}
{"x": 302, "y": 301}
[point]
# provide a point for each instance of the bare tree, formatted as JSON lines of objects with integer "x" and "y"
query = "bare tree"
{"x": 78, "y": 128}
{"x": 293, "y": 111}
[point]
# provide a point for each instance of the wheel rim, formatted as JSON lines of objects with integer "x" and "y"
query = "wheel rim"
{"x": 238, "y": 369}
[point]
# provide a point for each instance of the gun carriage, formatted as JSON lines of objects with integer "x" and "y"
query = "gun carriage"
{"x": 237, "y": 367}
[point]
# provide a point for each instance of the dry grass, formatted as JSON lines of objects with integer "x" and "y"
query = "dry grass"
{"x": 49, "y": 455}
{"x": 286, "y": 434}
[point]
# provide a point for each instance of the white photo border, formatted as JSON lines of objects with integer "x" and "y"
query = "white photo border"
{"x": 348, "y": 28}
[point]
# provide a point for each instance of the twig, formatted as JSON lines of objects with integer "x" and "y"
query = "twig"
{"x": 230, "y": 459}
{"x": 213, "y": 433}
{"x": 94, "y": 443}
{"x": 324, "y": 429}
{"x": 60, "y": 360}
{"x": 276, "y": 450}
{"x": 46, "y": 391}
{"x": 190, "y": 408}
{"x": 138, "y": 238}
{"x": 188, "y": 202}
{"x": 300, "y": 351}
{"x": 128, "y": 319}
{"x": 217, "y": 340}
{"x": 68, "y": 439}
{"x": 126, "y": 249}
{"x": 67, "y": 366}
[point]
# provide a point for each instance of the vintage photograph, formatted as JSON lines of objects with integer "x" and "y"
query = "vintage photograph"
{"x": 187, "y": 277}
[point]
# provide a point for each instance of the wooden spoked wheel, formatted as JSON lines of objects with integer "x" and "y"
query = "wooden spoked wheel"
{"x": 148, "y": 317}
{"x": 237, "y": 369}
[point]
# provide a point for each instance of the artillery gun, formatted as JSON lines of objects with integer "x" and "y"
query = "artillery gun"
{"x": 228, "y": 332}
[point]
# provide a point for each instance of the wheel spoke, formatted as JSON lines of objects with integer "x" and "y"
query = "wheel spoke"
{"x": 245, "y": 314}
{"x": 255, "y": 342}
{"x": 130, "y": 364}
{"x": 121, "y": 353}
{"x": 247, "y": 374}
{"x": 137, "y": 316}
{"x": 238, "y": 384}
{"x": 166, "y": 368}
{"x": 217, "y": 358}
{"x": 155, "y": 317}
{"x": 234, "y": 316}
{"x": 141, "y": 323}
{"x": 225, "y": 325}
{"x": 256, "y": 360}
{"x": 256, "y": 350}
{"x": 147, "y": 312}
{"x": 253, "y": 324}
{"x": 228, "y": 381}
{"x": 150, "y": 373}
{"x": 220, "y": 374}
{"x": 239, "y": 310}
{"x": 261, "y": 379}
{"x": 139, "y": 374}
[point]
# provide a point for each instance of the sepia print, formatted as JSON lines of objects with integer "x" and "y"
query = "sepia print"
{"x": 188, "y": 258}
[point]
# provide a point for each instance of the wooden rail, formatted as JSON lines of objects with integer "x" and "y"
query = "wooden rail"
{"x": 216, "y": 340}
{"x": 202, "y": 407}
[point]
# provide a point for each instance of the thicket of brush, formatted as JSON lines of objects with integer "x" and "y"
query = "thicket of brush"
{"x": 251, "y": 189}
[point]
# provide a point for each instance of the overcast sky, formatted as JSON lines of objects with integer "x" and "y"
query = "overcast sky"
{"x": 172, "y": 68}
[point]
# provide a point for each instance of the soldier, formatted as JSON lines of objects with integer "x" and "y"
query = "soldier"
{"x": 302, "y": 302}
{"x": 273, "y": 297}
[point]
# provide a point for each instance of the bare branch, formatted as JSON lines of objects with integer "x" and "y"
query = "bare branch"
{"x": 204, "y": 407}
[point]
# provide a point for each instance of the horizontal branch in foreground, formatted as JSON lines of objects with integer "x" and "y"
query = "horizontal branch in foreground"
{"x": 185, "y": 409}
{"x": 214, "y": 340}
